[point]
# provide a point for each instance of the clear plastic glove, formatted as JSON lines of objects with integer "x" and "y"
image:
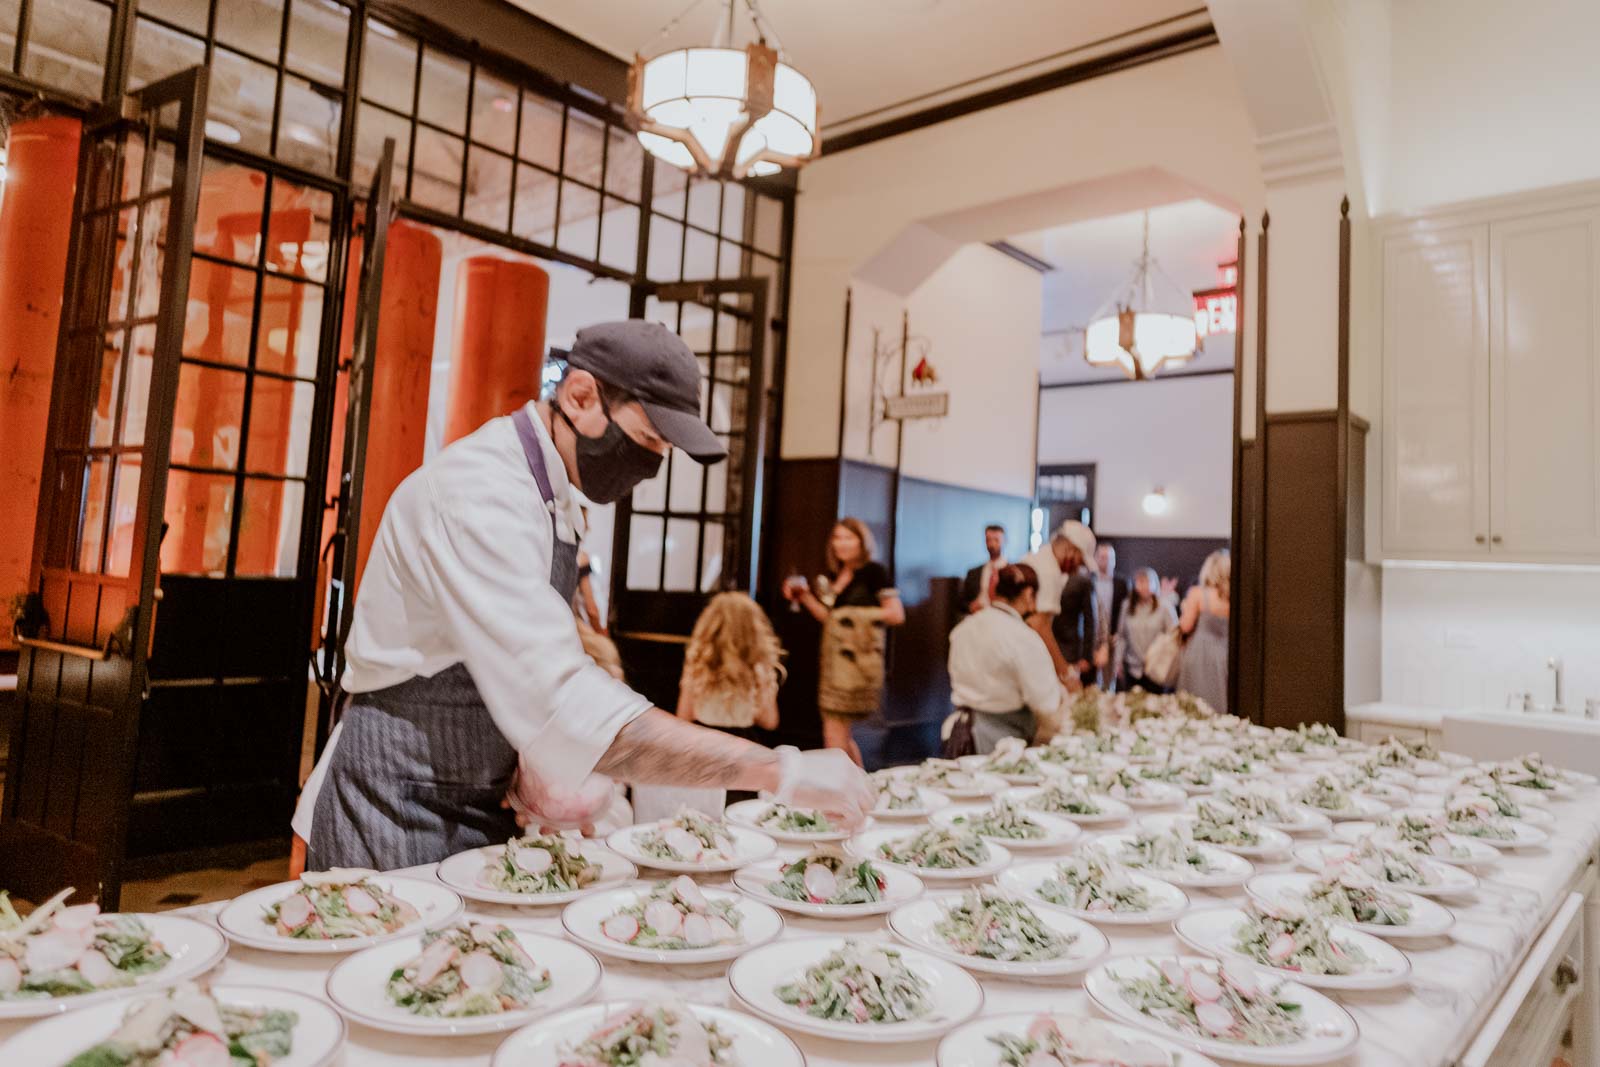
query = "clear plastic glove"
{"x": 826, "y": 780}
{"x": 546, "y": 809}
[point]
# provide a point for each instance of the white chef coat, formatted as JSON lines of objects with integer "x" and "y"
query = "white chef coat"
{"x": 1051, "y": 579}
{"x": 998, "y": 663}
{"x": 460, "y": 573}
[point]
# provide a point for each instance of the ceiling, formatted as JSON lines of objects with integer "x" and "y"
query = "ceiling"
{"x": 1092, "y": 259}
{"x": 866, "y": 56}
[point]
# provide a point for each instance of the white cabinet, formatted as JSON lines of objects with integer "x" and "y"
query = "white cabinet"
{"x": 1491, "y": 384}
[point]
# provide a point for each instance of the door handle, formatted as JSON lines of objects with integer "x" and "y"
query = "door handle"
{"x": 1565, "y": 976}
{"x": 1495, "y": 539}
{"x": 1480, "y": 539}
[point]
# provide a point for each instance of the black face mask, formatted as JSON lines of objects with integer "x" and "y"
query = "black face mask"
{"x": 609, "y": 466}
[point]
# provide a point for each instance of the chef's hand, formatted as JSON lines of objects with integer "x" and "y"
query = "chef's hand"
{"x": 547, "y": 808}
{"x": 827, "y": 780}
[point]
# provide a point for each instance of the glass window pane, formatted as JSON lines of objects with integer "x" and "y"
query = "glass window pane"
{"x": 67, "y": 45}
{"x": 221, "y": 305}
{"x": 136, "y": 394}
{"x": 269, "y": 528}
{"x": 488, "y": 188}
{"x": 102, "y": 417}
{"x": 280, "y": 426}
{"x": 683, "y": 548}
{"x": 644, "y": 552}
{"x": 228, "y": 222}
{"x": 731, "y": 260}
{"x": 287, "y": 338}
{"x": 733, "y": 201}
{"x": 124, "y": 510}
{"x": 388, "y": 67}
{"x": 624, "y": 164}
{"x": 494, "y": 112}
{"x": 705, "y": 203}
{"x": 252, "y": 26}
{"x": 242, "y": 96}
{"x": 126, "y": 235}
{"x": 666, "y": 250}
{"x": 699, "y": 255}
{"x": 651, "y": 494}
{"x": 535, "y": 216}
{"x": 580, "y": 220}
{"x": 199, "y": 516}
{"x": 443, "y": 96}
{"x": 92, "y": 526}
{"x": 711, "y": 557}
{"x": 667, "y": 190}
{"x": 619, "y": 235}
{"x": 308, "y": 126}
{"x": 297, "y": 235}
{"x": 586, "y": 138}
{"x": 190, "y": 14}
{"x": 436, "y": 170}
{"x": 768, "y": 229}
{"x": 685, "y": 492}
{"x": 372, "y": 126}
{"x": 717, "y": 486}
{"x": 541, "y": 131}
{"x": 152, "y": 256}
{"x": 205, "y": 424}
{"x": 158, "y": 51}
{"x": 317, "y": 32}
{"x": 721, "y": 412}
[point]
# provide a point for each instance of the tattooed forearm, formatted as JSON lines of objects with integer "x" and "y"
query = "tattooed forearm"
{"x": 658, "y": 749}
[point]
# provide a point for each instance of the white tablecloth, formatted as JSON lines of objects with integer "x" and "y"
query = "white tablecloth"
{"x": 1426, "y": 1024}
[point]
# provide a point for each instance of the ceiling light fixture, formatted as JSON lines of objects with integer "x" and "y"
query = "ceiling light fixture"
{"x": 1129, "y": 332}
{"x": 722, "y": 110}
{"x": 1156, "y": 502}
{"x": 221, "y": 131}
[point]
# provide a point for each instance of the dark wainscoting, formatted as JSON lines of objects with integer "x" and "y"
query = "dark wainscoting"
{"x": 1245, "y": 662}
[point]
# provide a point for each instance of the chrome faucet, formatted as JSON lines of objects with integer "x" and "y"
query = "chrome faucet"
{"x": 1554, "y": 663}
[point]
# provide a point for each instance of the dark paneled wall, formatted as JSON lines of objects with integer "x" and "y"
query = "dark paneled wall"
{"x": 1246, "y": 588}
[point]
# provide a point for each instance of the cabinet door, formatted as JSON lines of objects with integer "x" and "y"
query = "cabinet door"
{"x": 1436, "y": 393}
{"x": 1544, "y": 359}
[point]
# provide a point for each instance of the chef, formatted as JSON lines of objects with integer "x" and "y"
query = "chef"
{"x": 467, "y": 680}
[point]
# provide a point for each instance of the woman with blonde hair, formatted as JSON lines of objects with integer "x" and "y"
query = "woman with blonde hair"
{"x": 1203, "y": 622}
{"x": 854, "y": 602}
{"x": 732, "y": 667}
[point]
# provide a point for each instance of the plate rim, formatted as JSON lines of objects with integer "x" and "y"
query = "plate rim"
{"x": 531, "y": 900}
{"x": 828, "y": 911}
{"x": 624, "y": 835}
{"x": 1071, "y": 830}
{"x": 500, "y": 1056}
{"x": 1133, "y": 919}
{"x": 790, "y": 836}
{"x": 1024, "y": 1017}
{"x": 1339, "y": 983}
{"x": 337, "y": 946}
{"x": 669, "y": 957}
{"x": 1371, "y": 929}
{"x": 1000, "y": 968}
{"x": 1000, "y": 862}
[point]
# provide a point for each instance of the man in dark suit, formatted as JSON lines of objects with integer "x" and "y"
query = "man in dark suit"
{"x": 1110, "y": 593}
{"x": 978, "y": 586}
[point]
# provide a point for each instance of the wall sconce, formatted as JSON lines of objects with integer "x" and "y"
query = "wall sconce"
{"x": 1156, "y": 502}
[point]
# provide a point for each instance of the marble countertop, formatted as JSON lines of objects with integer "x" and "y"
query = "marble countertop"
{"x": 1398, "y": 714}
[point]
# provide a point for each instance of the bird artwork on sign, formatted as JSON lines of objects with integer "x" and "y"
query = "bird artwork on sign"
{"x": 923, "y": 373}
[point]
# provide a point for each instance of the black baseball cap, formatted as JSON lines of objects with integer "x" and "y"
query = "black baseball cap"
{"x": 654, "y": 366}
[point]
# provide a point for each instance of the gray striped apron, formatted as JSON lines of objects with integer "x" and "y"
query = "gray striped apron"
{"x": 420, "y": 767}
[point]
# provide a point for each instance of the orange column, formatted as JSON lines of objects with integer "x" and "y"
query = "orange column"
{"x": 35, "y": 227}
{"x": 499, "y": 340}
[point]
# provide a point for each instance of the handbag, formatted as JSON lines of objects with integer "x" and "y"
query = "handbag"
{"x": 958, "y": 740}
{"x": 1163, "y": 657}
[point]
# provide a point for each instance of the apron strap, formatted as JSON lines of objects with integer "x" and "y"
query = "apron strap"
{"x": 534, "y": 451}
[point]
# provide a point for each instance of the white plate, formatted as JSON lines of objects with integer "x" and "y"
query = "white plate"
{"x": 317, "y": 1038}
{"x": 983, "y": 785}
{"x": 900, "y": 885}
{"x": 1330, "y": 1031}
{"x": 748, "y": 847}
{"x": 1112, "y": 810}
{"x": 582, "y": 919}
{"x": 1428, "y": 919}
{"x": 914, "y": 924}
{"x": 1167, "y": 903}
{"x": 756, "y": 975}
{"x": 1231, "y": 869}
{"x": 1273, "y": 842}
{"x": 866, "y": 846}
{"x": 1362, "y": 806}
{"x": 929, "y": 802}
{"x": 1528, "y": 836}
{"x": 1059, "y": 831}
{"x": 1161, "y": 795}
{"x": 242, "y": 920}
{"x": 1452, "y": 880}
{"x": 972, "y": 1045}
{"x": 1210, "y": 931}
{"x": 463, "y": 872}
{"x": 1306, "y": 821}
{"x": 1390, "y": 793}
{"x": 748, "y": 813}
{"x": 546, "y": 1042}
{"x": 195, "y": 948}
{"x": 1478, "y": 854}
{"x": 1455, "y": 760}
{"x": 1534, "y": 813}
{"x": 358, "y": 986}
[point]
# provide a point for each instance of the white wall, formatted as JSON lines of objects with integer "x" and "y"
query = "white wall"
{"x": 1467, "y": 637}
{"x": 1177, "y": 434}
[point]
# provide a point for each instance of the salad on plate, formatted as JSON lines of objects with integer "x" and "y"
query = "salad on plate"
{"x": 829, "y": 876}
{"x": 860, "y": 983}
{"x": 663, "y": 1033}
{"x": 1262, "y": 803}
{"x": 1075, "y": 1041}
{"x": 1426, "y": 834}
{"x": 897, "y": 792}
{"x": 338, "y": 903}
{"x": 1326, "y": 793}
{"x": 1392, "y": 865}
{"x": 548, "y": 863}
{"x": 1477, "y": 816}
{"x": 1350, "y": 894}
{"x": 1530, "y": 772}
{"x": 1166, "y": 850}
{"x": 1089, "y": 881}
{"x": 686, "y": 838}
{"x": 468, "y": 969}
{"x": 1221, "y": 1004}
{"x": 61, "y": 951}
{"x": 1003, "y": 821}
{"x": 1065, "y": 798}
{"x": 991, "y": 924}
{"x": 1292, "y": 938}
{"x": 673, "y": 916}
{"x": 795, "y": 820}
{"x": 948, "y": 775}
{"x": 1011, "y": 759}
{"x": 188, "y": 1027}
{"x": 937, "y": 849}
{"x": 1216, "y": 824}
{"x": 1123, "y": 784}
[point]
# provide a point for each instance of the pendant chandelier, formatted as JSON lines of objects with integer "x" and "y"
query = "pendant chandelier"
{"x": 1129, "y": 332}
{"x": 721, "y": 110}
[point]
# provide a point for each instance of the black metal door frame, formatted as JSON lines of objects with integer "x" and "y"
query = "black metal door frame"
{"x": 81, "y": 676}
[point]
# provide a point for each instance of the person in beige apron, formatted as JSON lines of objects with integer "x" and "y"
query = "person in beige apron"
{"x": 855, "y": 602}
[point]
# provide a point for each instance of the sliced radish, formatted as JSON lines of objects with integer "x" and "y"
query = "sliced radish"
{"x": 202, "y": 1050}
{"x": 1203, "y": 987}
{"x": 481, "y": 972}
{"x": 10, "y": 975}
{"x": 697, "y": 930}
{"x": 681, "y": 841}
{"x": 1042, "y": 1027}
{"x": 533, "y": 861}
{"x": 1242, "y": 981}
{"x": 1100, "y": 904}
{"x": 684, "y": 888}
{"x": 360, "y": 902}
{"x": 1282, "y": 948}
{"x": 1173, "y": 971}
{"x": 95, "y": 968}
{"x": 53, "y": 950}
{"x": 821, "y": 883}
{"x": 663, "y": 917}
{"x": 622, "y": 928}
{"x": 294, "y": 912}
{"x": 77, "y": 917}
{"x": 1213, "y": 1018}
{"x": 722, "y": 930}
{"x": 434, "y": 959}
{"x": 486, "y": 934}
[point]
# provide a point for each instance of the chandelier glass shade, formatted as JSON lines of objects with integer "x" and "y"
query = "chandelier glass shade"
{"x": 1131, "y": 333}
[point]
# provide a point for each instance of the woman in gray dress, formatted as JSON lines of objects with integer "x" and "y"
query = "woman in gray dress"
{"x": 1203, "y": 671}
